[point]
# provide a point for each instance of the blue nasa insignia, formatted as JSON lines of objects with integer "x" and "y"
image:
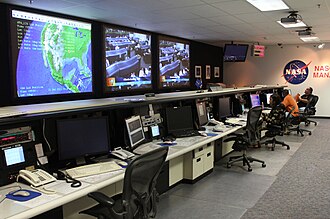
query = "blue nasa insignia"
{"x": 296, "y": 72}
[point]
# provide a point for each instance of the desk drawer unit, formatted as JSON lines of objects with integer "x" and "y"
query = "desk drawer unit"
{"x": 209, "y": 157}
{"x": 175, "y": 170}
{"x": 198, "y": 161}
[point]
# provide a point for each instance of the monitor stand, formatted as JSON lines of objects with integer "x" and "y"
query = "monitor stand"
{"x": 81, "y": 161}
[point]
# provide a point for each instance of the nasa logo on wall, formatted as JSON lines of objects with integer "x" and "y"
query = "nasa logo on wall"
{"x": 296, "y": 72}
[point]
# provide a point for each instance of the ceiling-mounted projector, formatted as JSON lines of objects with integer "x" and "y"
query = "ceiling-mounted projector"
{"x": 293, "y": 18}
{"x": 305, "y": 33}
{"x": 289, "y": 20}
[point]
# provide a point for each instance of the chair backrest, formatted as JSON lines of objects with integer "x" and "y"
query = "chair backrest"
{"x": 310, "y": 107}
{"x": 140, "y": 181}
{"x": 252, "y": 124}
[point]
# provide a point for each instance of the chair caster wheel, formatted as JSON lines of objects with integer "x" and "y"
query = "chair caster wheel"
{"x": 288, "y": 148}
{"x": 250, "y": 169}
{"x": 228, "y": 165}
{"x": 310, "y": 133}
{"x": 273, "y": 148}
{"x": 263, "y": 165}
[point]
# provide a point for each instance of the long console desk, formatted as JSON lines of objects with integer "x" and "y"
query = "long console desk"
{"x": 65, "y": 194}
{"x": 12, "y": 114}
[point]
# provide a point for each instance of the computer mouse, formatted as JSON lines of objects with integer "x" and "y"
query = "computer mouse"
{"x": 21, "y": 193}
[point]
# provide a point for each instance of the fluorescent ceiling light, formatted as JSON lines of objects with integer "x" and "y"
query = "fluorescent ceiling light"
{"x": 268, "y": 5}
{"x": 299, "y": 24}
{"x": 310, "y": 39}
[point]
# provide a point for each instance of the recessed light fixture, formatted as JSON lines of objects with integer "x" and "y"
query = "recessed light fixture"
{"x": 268, "y": 5}
{"x": 310, "y": 39}
{"x": 299, "y": 24}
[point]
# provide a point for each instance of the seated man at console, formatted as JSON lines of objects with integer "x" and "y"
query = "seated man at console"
{"x": 304, "y": 99}
{"x": 290, "y": 103}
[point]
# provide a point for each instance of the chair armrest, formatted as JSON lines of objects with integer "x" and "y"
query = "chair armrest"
{"x": 102, "y": 199}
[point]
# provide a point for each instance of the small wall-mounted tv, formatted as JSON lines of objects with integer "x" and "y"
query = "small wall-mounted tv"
{"x": 235, "y": 52}
{"x": 50, "y": 55}
{"x": 174, "y": 63}
{"x": 127, "y": 59}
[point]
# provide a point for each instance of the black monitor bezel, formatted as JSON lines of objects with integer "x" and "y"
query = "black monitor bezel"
{"x": 177, "y": 87}
{"x": 222, "y": 117}
{"x": 203, "y": 103}
{"x": 85, "y": 155}
{"x": 184, "y": 115}
{"x": 246, "y": 46}
{"x": 106, "y": 90}
{"x": 53, "y": 97}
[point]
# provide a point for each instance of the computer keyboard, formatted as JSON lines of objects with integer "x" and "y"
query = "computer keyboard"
{"x": 185, "y": 133}
{"x": 93, "y": 169}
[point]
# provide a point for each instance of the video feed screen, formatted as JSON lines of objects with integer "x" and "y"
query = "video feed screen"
{"x": 235, "y": 53}
{"x": 50, "y": 55}
{"x": 127, "y": 60}
{"x": 173, "y": 64}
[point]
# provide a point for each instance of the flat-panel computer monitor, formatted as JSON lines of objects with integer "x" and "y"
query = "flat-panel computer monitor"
{"x": 268, "y": 95}
{"x": 224, "y": 109}
{"x": 201, "y": 113}
{"x": 50, "y": 55}
{"x": 179, "y": 119}
{"x": 174, "y": 63}
{"x": 135, "y": 131}
{"x": 81, "y": 137}
{"x": 127, "y": 59}
{"x": 14, "y": 155}
{"x": 255, "y": 100}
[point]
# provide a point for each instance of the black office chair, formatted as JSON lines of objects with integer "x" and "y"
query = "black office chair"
{"x": 274, "y": 130}
{"x": 244, "y": 140}
{"x": 310, "y": 110}
{"x": 138, "y": 199}
{"x": 294, "y": 125}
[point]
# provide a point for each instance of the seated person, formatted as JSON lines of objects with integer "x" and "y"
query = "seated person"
{"x": 304, "y": 99}
{"x": 277, "y": 113}
{"x": 289, "y": 103}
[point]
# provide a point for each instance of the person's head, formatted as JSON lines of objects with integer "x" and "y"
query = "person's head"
{"x": 285, "y": 92}
{"x": 275, "y": 99}
{"x": 308, "y": 90}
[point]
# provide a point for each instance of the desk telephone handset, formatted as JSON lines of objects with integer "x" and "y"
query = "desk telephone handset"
{"x": 219, "y": 127}
{"x": 122, "y": 154}
{"x": 36, "y": 177}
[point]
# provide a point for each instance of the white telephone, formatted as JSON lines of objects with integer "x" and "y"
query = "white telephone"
{"x": 220, "y": 127}
{"x": 36, "y": 177}
{"x": 122, "y": 154}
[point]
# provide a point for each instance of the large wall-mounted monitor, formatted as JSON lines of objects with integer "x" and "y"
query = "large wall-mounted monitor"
{"x": 50, "y": 55}
{"x": 127, "y": 59}
{"x": 174, "y": 63}
{"x": 82, "y": 137}
{"x": 235, "y": 52}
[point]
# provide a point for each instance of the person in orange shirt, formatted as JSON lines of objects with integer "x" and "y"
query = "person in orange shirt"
{"x": 289, "y": 102}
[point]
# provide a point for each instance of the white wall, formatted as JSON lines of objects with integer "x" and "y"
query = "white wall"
{"x": 269, "y": 70}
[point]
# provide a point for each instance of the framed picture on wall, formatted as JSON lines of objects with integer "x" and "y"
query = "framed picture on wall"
{"x": 198, "y": 71}
{"x": 217, "y": 72}
{"x": 208, "y": 72}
